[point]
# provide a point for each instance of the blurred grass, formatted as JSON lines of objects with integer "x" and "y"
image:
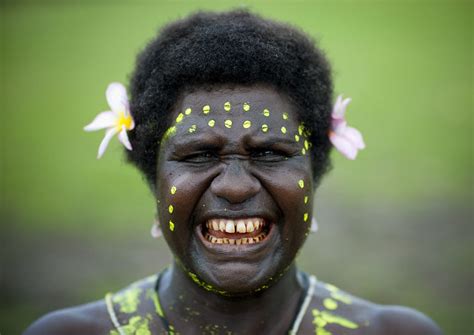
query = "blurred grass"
{"x": 408, "y": 66}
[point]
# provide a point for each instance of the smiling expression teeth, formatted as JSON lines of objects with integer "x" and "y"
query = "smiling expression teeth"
{"x": 235, "y": 228}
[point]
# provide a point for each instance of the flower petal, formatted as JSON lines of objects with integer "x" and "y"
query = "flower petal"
{"x": 339, "y": 108}
{"x": 355, "y": 137}
{"x": 123, "y": 138}
{"x": 116, "y": 95}
{"x": 105, "y": 142}
{"x": 343, "y": 145}
{"x": 101, "y": 121}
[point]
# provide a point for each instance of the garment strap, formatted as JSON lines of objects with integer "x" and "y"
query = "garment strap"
{"x": 303, "y": 306}
{"x": 112, "y": 315}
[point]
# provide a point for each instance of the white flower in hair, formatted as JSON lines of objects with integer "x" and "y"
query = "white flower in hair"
{"x": 118, "y": 120}
{"x": 347, "y": 140}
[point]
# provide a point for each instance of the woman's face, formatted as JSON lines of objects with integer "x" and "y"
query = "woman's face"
{"x": 234, "y": 187}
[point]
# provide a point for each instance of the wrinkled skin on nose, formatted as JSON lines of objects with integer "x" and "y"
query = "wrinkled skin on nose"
{"x": 234, "y": 153}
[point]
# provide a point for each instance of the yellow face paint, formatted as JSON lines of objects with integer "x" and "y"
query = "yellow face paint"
{"x": 283, "y": 130}
{"x": 246, "y": 124}
{"x": 246, "y": 107}
{"x": 206, "y": 109}
{"x": 305, "y": 217}
{"x": 306, "y": 144}
{"x": 301, "y": 183}
{"x": 285, "y": 116}
{"x": 228, "y": 123}
{"x": 266, "y": 112}
{"x": 211, "y": 123}
{"x": 171, "y": 225}
{"x": 179, "y": 118}
{"x": 171, "y": 131}
{"x": 303, "y": 151}
{"x": 227, "y": 106}
{"x": 173, "y": 190}
{"x": 306, "y": 198}
{"x": 188, "y": 111}
{"x": 170, "y": 209}
{"x": 264, "y": 128}
{"x": 297, "y": 138}
{"x": 192, "y": 129}
{"x": 300, "y": 129}
{"x": 330, "y": 304}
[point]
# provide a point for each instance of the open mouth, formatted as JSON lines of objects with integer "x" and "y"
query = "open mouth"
{"x": 240, "y": 231}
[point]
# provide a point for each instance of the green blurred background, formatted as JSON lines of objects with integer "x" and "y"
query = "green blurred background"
{"x": 395, "y": 225}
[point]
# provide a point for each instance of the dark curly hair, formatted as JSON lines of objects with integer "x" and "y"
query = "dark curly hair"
{"x": 235, "y": 47}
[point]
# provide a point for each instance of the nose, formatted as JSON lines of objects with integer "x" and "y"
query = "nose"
{"x": 234, "y": 183}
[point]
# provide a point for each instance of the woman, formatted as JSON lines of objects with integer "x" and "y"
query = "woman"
{"x": 232, "y": 129}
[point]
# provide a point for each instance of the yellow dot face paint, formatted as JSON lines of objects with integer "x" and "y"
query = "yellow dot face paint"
{"x": 301, "y": 183}
{"x": 206, "y": 109}
{"x": 171, "y": 225}
{"x": 305, "y": 217}
{"x": 246, "y": 124}
{"x": 283, "y": 130}
{"x": 285, "y": 116}
{"x": 306, "y": 144}
{"x": 188, "y": 111}
{"x": 228, "y": 123}
{"x": 297, "y": 138}
{"x": 173, "y": 190}
{"x": 170, "y": 209}
{"x": 211, "y": 123}
{"x": 246, "y": 107}
{"x": 179, "y": 118}
{"x": 300, "y": 129}
{"x": 330, "y": 304}
{"x": 306, "y": 198}
{"x": 266, "y": 112}
{"x": 303, "y": 151}
{"x": 227, "y": 106}
{"x": 192, "y": 129}
{"x": 264, "y": 128}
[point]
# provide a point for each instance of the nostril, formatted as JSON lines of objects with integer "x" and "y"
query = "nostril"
{"x": 235, "y": 184}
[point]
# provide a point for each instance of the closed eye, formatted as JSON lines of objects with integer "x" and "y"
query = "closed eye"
{"x": 269, "y": 155}
{"x": 200, "y": 157}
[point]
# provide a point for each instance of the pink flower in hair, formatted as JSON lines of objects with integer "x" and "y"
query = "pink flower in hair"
{"x": 346, "y": 140}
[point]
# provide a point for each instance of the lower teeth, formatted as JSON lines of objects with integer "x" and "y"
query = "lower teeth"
{"x": 243, "y": 240}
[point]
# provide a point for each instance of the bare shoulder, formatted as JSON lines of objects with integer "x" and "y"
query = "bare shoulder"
{"x": 90, "y": 318}
{"x": 334, "y": 311}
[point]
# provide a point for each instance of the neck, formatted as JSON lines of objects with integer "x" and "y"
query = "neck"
{"x": 189, "y": 307}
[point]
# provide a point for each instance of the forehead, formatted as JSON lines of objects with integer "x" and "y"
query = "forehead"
{"x": 233, "y": 112}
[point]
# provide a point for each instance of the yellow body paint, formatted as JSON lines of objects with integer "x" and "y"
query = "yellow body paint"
{"x": 170, "y": 209}
{"x": 303, "y": 151}
{"x": 151, "y": 294}
{"x": 300, "y": 129}
{"x": 173, "y": 190}
{"x": 301, "y": 183}
{"x": 227, "y": 106}
{"x": 264, "y": 128}
{"x": 306, "y": 198}
{"x": 246, "y": 107}
{"x": 128, "y": 300}
{"x": 266, "y": 112}
{"x": 297, "y": 138}
{"x": 336, "y": 319}
{"x": 228, "y": 123}
{"x": 179, "y": 118}
{"x": 283, "y": 130}
{"x": 285, "y": 116}
{"x": 171, "y": 225}
{"x": 188, "y": 111}
{"x": 330, "y": 304}
{"x": 305, "y": 217}
{"x": 306, "y": 144}
{"x": 211, "y": 123}
{"x": 206, "y": 109}
{"x": 246, "y": 124}
{"x": 341, "y": 297}
{"x": 207, "y": 287}
{"x": 137, "y": 325}
{"x": 192, "y": 129}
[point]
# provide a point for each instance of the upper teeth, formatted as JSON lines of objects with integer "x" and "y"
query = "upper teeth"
{"x": 232, "y": 226}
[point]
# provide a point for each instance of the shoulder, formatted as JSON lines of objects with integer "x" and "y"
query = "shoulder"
{"x": 91, "y": 319}
{"x": 334, "y": 311}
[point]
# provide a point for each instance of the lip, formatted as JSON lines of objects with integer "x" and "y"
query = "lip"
{"x": 235, "y": 251}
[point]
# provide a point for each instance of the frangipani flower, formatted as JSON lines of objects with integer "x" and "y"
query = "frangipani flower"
{"x": 118, "y": 120}
{"x": 347, "y": 140}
